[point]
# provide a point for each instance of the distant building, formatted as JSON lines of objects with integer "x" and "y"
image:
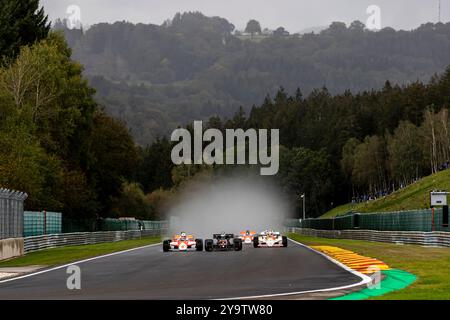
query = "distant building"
{"x": 267, "y": 32}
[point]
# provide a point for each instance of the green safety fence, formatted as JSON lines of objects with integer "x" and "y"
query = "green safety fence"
{"x": 415, "y": 220}
{"x": 40, "y": 223}
{"x": 78, "y": 225}
{"x": 118, "y": 225}
{"x": 154, "y": 225}
{"x": 110, "y": 224}
{"x": 128, "y": 224}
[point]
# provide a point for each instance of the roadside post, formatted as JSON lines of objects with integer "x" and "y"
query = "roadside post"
{"x": 303, "y": 196}
{"x": 439, "y": 199}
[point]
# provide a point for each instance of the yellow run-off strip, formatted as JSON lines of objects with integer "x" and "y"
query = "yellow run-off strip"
{"x": 353, "y": 260}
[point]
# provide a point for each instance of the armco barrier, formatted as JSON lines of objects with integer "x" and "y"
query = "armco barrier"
{"x": 441, "y": 239}
{"x": 81, "y": 238}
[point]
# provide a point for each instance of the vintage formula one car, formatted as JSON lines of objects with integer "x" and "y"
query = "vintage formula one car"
{"x": 183, "y": 242}
{"x": 270, "y": 238}
{"x": 247, "y": 236}
{"x": 223, "y": 242}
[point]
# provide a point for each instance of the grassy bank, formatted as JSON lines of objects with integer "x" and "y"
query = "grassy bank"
{"x": 429, "y": 264}
{"x": 414, "y": 196}
{"x": 63, "y": 255}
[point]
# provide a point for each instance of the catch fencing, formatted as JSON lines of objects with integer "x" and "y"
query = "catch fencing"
{"x": 109, "y": 224}
{"x": 11, "y": 213}
{"x": 418, "y": 220}
{"x": 440, "y": 239}
{"x": 40, "y": 223}
{"x": 82, "y": 238}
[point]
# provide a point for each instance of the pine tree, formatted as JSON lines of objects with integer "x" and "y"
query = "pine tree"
{"x": 22, "y": 22}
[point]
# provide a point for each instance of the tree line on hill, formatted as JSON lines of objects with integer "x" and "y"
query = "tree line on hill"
{"x": 157, "y": 77}
{"x": 335, "y": 148}
{"x": 57, "y": 143}
{"x": 69, "y": 154}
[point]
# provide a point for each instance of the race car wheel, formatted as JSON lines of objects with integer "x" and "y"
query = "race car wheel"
{"x": 256, "y": 242}
{"x": 209, "y": 245}
{"x": 237, "y": 244}
{"x": 166, "y": 246}
{"x": 285, "y": 241}
{"x": 199, "y": 245}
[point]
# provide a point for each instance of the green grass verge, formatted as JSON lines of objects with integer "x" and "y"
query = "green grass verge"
{"x": 414, "y": 196}
{"x": 394, "y": 280}
{"x": 63, "y": 255}
{"x": 430, "y": 265}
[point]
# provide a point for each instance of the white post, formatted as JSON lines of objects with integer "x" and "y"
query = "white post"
{"x": 303, "y": 196}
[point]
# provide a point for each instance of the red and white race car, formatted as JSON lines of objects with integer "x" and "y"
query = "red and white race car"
{"x": 183, "y": 242}
{"x": 247, "y": 236}
{"x": 270, "y": 238}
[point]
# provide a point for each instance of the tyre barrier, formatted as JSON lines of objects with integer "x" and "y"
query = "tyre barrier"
{"x": 436, "y": 238}
{"x": 82, "y": 238}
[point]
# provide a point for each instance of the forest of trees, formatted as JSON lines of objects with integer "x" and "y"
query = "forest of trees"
{"x": 57, "y": 143}
{"x": 194, "y": 67}
{"x": 61, "y": 144}
{"x": 338, "y": 147}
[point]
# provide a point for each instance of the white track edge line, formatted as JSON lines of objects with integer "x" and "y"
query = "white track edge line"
{"x": 77, "y": 262}
{"x": 364, "y": 280}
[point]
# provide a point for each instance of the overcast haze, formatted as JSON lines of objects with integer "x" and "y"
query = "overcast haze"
{"x": 294, "y": 15}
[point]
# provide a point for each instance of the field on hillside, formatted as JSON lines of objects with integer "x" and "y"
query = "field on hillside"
{"x": 414, "y": 196}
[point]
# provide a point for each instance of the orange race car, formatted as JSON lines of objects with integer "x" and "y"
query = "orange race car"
{"x": 183, "y": 242}
{"x": 247, "y": 236}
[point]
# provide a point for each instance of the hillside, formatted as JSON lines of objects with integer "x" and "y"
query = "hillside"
{"x": 414, "y": 196}
{"x": 157, "y": 77}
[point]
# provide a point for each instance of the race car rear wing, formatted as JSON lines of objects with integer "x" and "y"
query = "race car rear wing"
{"x": 252, "y": 233}
{"x": 219, "y": 236}
{"x": 265, "y": 233}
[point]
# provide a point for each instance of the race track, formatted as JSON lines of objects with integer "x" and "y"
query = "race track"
{"x": 148, "y": 273}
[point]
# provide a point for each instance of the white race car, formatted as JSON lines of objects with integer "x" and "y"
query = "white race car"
{"x": 183, "y": 242}
{"x": 270, "y": 238}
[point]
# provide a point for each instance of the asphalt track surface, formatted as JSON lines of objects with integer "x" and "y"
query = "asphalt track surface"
{"x": 149, "y": 273}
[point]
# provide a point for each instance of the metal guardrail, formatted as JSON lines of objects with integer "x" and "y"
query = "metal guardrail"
{"x": 81, "y": 238}
{"x": 436, "y": 238}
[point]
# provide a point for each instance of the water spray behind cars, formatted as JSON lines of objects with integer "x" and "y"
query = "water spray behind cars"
{"x": 228, "y": 205}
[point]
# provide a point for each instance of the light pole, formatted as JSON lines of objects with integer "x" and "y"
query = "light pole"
{"x": 303, "y": 196}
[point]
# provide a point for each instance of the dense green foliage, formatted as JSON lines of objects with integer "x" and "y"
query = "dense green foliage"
{"x": 194, "y": 67}
{"x": 22, "y": 23}
{"x": 68, "y": 154}
{"x": 57, "y": 144}
{"x": 338, "y": 147}
{"x": 369, "y": 143}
